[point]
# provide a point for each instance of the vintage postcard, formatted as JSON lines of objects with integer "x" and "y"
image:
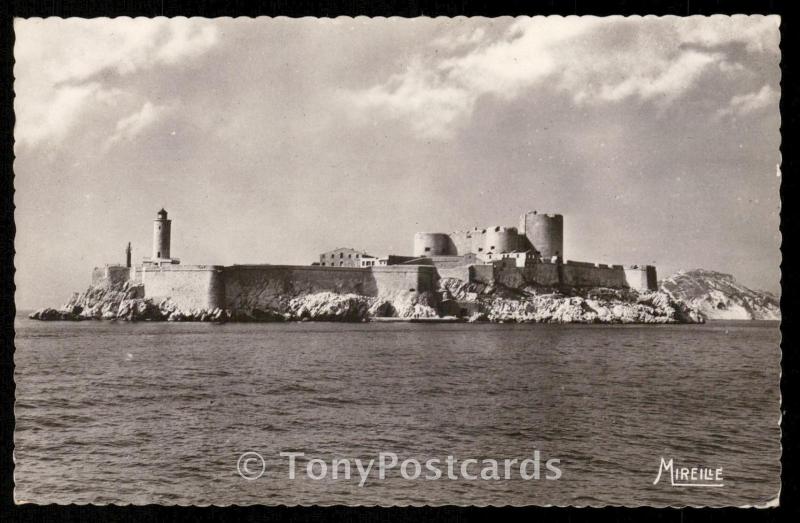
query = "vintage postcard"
{"x": 427, "y": 261}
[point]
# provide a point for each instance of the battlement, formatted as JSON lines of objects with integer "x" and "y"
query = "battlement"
{"x": 573, "y": 263}
{"x": 546, "y": 215}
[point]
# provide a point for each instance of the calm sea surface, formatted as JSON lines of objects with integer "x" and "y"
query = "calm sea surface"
{"x": 160, "y": 412}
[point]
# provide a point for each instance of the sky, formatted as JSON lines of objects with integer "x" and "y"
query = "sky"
{"x": 273, "y": 140}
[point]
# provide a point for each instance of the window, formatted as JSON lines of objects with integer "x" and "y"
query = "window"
{"x": 480, "y": 249}
{"x": 341, "y": 255}
{"x": 427, "y": 249}
{"x": 350, "y": 256}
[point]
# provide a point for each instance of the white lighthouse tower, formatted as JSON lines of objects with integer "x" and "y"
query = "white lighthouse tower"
{"x": 161, "y": 236}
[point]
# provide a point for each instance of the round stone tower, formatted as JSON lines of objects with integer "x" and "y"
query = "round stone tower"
{"x": 545, "y": 232}
{"x": 501, "y": 239}
{"x": 161, "y": 235}
{"x": 432, "y": 244}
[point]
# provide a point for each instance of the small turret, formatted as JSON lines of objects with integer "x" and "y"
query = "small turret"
{"x": 128, "y": 255}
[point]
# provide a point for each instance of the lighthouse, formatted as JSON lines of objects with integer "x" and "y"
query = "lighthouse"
{"x": 161, "y": 236}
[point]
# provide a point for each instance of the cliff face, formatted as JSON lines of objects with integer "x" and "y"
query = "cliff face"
{"x": 542, "y": 305}
{"x": 718, "y": 296}
{"x": 125, "y": 301}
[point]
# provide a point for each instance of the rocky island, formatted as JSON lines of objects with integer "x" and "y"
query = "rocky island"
{"x": 500, "y": 274}
{"x": 126, "y": 301}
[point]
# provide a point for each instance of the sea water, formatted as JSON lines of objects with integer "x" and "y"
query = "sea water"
{"x": 116, "y": 412}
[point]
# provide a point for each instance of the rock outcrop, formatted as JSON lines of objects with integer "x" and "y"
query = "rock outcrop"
{"x": 543, "y": 305}
{"x": 718, "y": 296}
{"x": 126, "y": 302}
{"x": 473, "y": 302}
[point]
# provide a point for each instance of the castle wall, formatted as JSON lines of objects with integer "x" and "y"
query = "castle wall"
{"x": 467, "y": 241}
{"x": 493, "y": 239}
{"x": 404, "y": 278}
{"x": 264, "y": 287}
{"x": 188, "y": 286}
{"x": 642, "y": 277}
{"x": 582, "y": 274}
{"x": 272, "y": 286}
{"x": 447, "y": 262}
{"x": 111, "y": 275}
{"x": 546, "y": 274}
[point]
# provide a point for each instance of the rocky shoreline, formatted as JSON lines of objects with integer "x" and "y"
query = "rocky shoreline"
{"x": 455, "y": 300}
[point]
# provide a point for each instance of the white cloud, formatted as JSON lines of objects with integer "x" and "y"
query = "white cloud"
{"x": 135, "y": 123}
{"x": 457, "y": 40}
{"x": 660, "y": 78}
{"x": 743, "y": 104}
{"x": 594, "y": 60}
{"x": 53, "y": 119}
{"x": 757, "y": 33}
{"x": 61, "y": 66}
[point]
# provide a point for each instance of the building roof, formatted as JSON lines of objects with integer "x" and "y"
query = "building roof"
{"x": 348, "y": 249}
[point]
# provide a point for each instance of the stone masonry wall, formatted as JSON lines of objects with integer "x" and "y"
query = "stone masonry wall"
{"x": 188, "y": 286}
{"x": 574, "y": 274}
{"x": 579, "y": 274}
{"x": 110, "y": 275}
{"x": 272, "y": 286}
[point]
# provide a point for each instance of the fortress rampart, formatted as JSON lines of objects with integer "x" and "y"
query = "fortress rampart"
{"x": 111, "y": 275}
{"x": 188, "y": 286}
{"x": 248, "y": 287}
{"x": 570, "y": 274}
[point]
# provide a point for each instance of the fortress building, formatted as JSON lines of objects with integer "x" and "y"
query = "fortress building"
{"x": 542, "y": 234}
{"x": 346, "y": 257}
{"x": 530, "y": 255}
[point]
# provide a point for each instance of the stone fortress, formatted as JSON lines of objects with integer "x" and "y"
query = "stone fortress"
{"x": 531, "y": 255}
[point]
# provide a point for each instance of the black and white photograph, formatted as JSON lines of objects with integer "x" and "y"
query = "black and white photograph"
{"x": 430, "y": 261}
